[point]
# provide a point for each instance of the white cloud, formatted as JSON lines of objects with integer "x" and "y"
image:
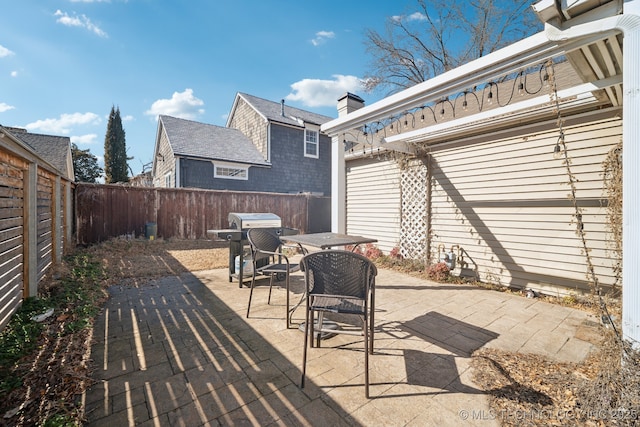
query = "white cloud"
{"x": 322, "y": 36}
{"x": 5, "y": 52}
{"x": 64, "y": 123}
{"x": 5, "y": 107}
{"x": 415, "y": 16}
{"x": 324, "y": 93}
{"x": 88, "y": 139}
{"x": 14, "y": 74}
{"x": 181, "y": 104}
{"x": 127, "y": 118}
{"x": 78, "y": 21}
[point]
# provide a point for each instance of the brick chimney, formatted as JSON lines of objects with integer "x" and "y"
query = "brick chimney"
{"x": 348, "y": 103}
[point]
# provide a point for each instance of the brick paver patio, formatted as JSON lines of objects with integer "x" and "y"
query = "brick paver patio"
{"x": 179, "y": 351}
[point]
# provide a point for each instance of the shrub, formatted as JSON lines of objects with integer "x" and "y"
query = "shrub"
{"x": 371, "y": 251}
{"x": 438, "y": 272}
{"x": 395, "y": 253}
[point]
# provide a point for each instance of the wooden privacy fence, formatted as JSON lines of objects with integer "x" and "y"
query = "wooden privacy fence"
{"x": 105, "y": 211}
{"x": 35, "y": 222}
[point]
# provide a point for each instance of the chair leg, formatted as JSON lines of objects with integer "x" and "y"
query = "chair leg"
{"x": 270, "y": 287}
{"x": 253, "y": 281}
{"x": 304, "y": 351}
{"x": 318, "y": 334}
{"x": 372, "y": 311}
{"x": 312, "y": 328}
{"x": 366, "y": 358}
{"x": 286, "y": 282}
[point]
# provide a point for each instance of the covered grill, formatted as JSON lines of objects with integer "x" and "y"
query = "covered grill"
{"x": 236, "y": 234}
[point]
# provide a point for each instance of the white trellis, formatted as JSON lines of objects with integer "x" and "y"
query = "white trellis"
{"x": 414, "y": 227}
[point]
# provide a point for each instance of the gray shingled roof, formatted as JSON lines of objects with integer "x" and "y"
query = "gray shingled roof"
{"x": 195, "y": 139}
{"x": 273, "y": 111}
{"x": 53, "y": 149}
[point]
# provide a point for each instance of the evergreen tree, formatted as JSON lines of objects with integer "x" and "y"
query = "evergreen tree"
{"x": 115, "y": 150}
{"x": 85, "y": 165}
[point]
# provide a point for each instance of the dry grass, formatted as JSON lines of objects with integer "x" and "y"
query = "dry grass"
{"x": 141, "y": 259}
{"x": 531, "y": 390}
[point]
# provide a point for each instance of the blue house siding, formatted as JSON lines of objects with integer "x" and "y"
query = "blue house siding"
{"x": 291, "y": 171}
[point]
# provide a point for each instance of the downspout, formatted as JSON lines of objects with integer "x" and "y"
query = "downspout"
{"x": 629, "y": 25}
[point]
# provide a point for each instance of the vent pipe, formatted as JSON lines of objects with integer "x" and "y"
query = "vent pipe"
{"x": 282, "y": 107}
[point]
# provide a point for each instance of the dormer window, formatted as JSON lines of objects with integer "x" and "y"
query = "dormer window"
{"x": 229, "y": 171}
{"x": 311, "y": 140}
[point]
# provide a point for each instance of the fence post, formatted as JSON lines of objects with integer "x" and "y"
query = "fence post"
{"x": 68, "y": 216}
{"x": 30, "y": 267}
{"x": 56, "y": 226}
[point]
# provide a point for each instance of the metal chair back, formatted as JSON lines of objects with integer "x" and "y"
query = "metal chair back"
{"x": 343, "y": 282}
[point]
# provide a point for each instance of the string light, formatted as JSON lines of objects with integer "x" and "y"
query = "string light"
{"x": 439, "y": 112}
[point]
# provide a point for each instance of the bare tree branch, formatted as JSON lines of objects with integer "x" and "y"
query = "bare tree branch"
{"x": 441, "y": 35}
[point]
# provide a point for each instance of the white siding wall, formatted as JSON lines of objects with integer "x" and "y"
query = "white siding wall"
{"x": 506, "y": 204}
{"x": 373, "y": 201}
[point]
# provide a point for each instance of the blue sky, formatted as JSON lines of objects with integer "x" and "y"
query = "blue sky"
{"x": 65, "y": 63}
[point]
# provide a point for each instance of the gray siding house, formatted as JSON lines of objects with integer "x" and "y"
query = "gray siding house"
{"x": 193, "y": 154}
{"x": 290, "y": 140}
{"x": 266, "y": 146}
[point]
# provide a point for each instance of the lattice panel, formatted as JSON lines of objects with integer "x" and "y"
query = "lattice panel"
{"x": 413, "y": 223}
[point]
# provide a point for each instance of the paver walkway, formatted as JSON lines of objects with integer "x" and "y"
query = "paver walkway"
{"x": 179, "y": 351}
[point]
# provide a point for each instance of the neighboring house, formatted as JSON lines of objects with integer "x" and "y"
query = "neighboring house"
{"x": 144, "y": 179}
{"x": 266, "y": 146}
{"x": 193, "y": 154}
{"x": 54, "y": 149}
{"x": 471, "y": 162}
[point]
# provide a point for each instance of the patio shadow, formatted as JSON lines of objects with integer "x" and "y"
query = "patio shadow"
{"x": 171, "y": 352}
{"x": 453, "y": 335}
{"x": 439, "y": 371}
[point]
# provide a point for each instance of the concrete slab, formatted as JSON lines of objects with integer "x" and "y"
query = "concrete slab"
{"x": 180, "y": 351}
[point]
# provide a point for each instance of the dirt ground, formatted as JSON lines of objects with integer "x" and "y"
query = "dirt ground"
{"x": 140, "y": 259}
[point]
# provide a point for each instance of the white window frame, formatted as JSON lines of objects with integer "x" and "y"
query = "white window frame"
{"x": 312, "y": 130}
{"x": 242, "y": 172}
{"x": 167, "y": 179}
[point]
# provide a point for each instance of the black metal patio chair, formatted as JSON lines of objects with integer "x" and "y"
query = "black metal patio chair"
{"x": 267, "y": 258}
{"x": 338, "y": 281}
